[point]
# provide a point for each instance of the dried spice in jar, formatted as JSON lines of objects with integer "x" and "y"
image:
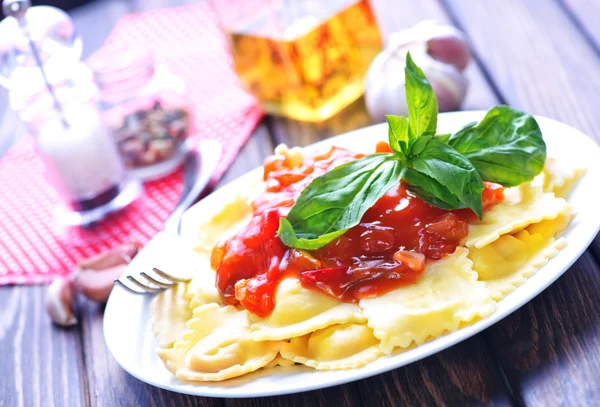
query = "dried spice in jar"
{"x": 150, "y": 136}
{"x": 145, "y": 106}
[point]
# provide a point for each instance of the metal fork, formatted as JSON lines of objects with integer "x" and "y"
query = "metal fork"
{"x": 199, "y": 166}
{"x": 152, "y": 284}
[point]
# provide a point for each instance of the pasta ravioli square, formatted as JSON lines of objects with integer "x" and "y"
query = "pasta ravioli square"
{"x": 560, "y": 178}
{"x": 343, "y": 346}
{"x": 300, "y": 311}
{"x": 447, "y": 296}
{"x": 524, "y": 206}
{"x": 217, "y": 345}
{"x": 507, "y": 262}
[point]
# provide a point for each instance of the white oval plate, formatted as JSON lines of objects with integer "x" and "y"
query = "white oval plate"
{"x": 126, "y": 321}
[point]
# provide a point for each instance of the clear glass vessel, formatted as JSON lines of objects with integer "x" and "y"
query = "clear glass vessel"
{"x": 54, "y": 94}
{"x": 146, "y": 108}
{"x": 304, "y": 59}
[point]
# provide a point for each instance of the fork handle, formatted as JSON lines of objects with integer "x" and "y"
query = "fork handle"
{"x": 198, "y": 168}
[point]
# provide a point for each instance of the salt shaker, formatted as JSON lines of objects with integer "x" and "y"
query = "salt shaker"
{"x": 54, "y": 94}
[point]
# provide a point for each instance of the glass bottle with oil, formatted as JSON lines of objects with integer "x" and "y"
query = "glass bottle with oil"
{"x": 302, "y": 59}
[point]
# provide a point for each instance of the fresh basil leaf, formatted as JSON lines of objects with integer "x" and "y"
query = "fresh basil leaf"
{"x": 506, "y": 147}
{"x": 337, "y": 200}
{"x": 421, "y": 101}
{"x": 453, "y": 171}
{"x": 429, "y": 190}
{"x": 398, "y": 134}
{"x": 443, "y": 137}
{"x": 419, "y": 145}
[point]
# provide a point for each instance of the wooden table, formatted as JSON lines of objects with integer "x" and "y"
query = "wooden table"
{"x": 540, "y": 56}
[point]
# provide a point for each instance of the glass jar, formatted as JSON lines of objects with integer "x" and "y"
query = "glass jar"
{"x": 303, "y": 59}
{"x": 53, "y": 93}
{"x": 145, "y": 106}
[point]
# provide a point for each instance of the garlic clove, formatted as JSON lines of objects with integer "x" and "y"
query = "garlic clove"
{"x": 60, "y": 302}
{"x": 119, "y": 255}
{"x": 443, "y": 42}
{"x": 384, "y": 90}
{"x": 451, "y": 49}
{"x": 384, "y": 86}
{"x": 97, "y": 284}
{"x": 448, "y": 83}
{"x": 442, "y": 53}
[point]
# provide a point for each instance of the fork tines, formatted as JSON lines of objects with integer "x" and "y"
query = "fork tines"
{"x": 148, "y": 284}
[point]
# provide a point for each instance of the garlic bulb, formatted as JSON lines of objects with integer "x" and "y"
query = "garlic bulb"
{"x": 60, "y": 302}
{"x": 440, "y": 50}
{"x": 94, "y": 278}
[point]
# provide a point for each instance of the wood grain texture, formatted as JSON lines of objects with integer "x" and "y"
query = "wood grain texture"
{"x": 537, "y": 57}
{"x": 109, "y": 385}
{"x": 460, "y": 376}
{"x": 543, "y": 64}
{"x": 251, "y": 156}
{"x": 95, "y": 21}
{"x": 586, "y": 14}
{"x": 550, "y": 348}
{"x": 338, "y": 396}
{"x": 40, "y": 365}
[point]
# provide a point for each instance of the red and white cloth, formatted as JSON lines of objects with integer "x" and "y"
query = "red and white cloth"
{"x": 34, "y": 248}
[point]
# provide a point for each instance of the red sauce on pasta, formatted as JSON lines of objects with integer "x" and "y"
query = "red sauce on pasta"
{"x": 389, "y": 248}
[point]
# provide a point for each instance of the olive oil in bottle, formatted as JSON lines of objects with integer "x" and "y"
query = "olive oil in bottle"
{"x": 306, "y": 59}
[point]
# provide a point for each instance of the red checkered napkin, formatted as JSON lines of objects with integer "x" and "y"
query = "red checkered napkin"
{"x": 33, "y": 247}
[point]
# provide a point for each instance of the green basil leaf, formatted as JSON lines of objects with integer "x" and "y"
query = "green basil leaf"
{"x": 429, "y": 190}
{"x": 443, "y": 137}
{"x": 398, "y": 134}
{"x": 453, "y": 171}
{"x": 421, "y": 101}
{"x": 419, "y": 145}
{"x": 506, "y": 147}
{"x": 337, "y": 200}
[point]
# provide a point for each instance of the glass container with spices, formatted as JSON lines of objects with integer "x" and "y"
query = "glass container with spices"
{"x": 144, "y": 105}
{"x": 53, "y": 93}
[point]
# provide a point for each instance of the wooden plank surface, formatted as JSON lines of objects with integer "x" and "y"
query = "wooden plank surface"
{"x": 549, "y": 350}
{"x": 542, "y": 63}
{"x": 40, "y": 364}
{"x": 585, "y": 14}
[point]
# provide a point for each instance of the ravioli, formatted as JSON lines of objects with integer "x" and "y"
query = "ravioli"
{"x": 507, "y": 262}
{"x": 170, "y": 313}
{"x": 299, "y": 311}
{"x": 345, "y": 346}
{"x": 202, "y": 289}
{"x": 524, "y": 205}
{"x": 222, "y": 221}
{"x": 446, "y": 297}
{"x": 215, "y": 342}
{"x": 560, "y": 178}
{"x": 218, "y": 345}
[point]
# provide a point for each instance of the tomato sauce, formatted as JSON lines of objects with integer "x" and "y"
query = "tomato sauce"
{"x": 388, "y": 249}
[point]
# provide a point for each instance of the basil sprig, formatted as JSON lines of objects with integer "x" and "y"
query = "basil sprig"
{"x": 337, "y": 200}
{"x": 506, "y": 147}
{"x": 446, "y": 171}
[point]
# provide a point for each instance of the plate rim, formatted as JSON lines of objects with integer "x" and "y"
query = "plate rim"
{"x": 427, "y": 349}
